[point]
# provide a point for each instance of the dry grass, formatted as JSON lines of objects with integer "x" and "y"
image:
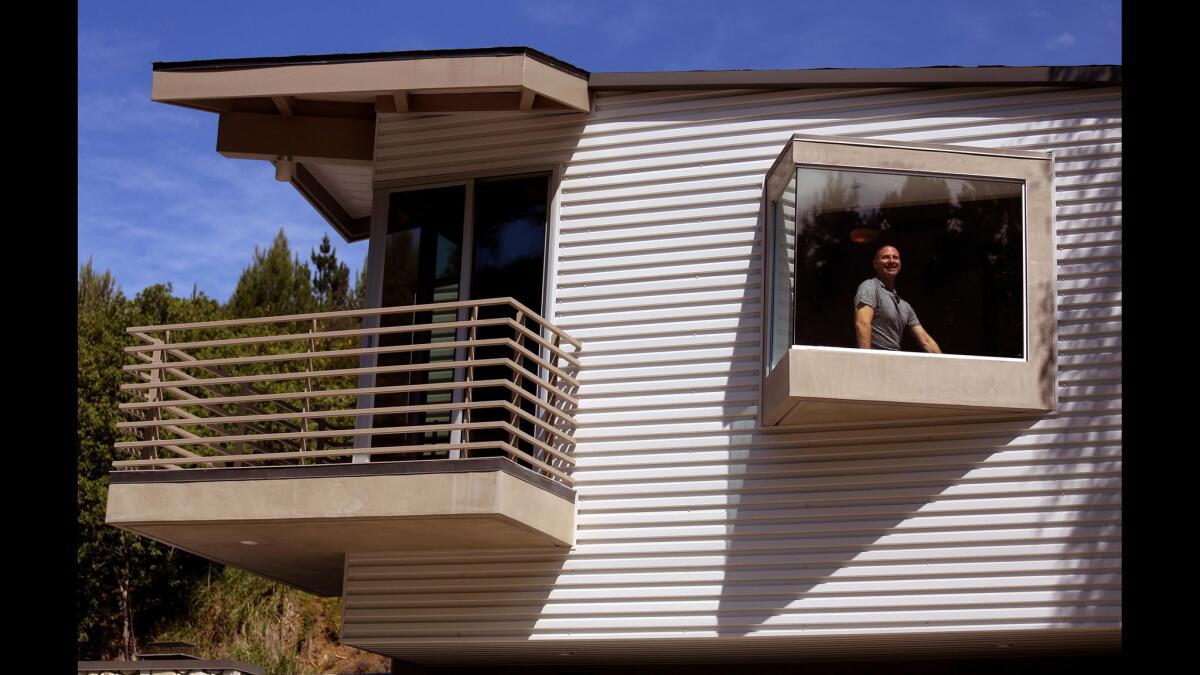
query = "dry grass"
{"x": 237, "y": 615}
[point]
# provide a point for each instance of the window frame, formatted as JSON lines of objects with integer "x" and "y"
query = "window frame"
{"x": 780, "y": 400}
{"x": 382, "y": 191}
{"x": 380, "y": 204}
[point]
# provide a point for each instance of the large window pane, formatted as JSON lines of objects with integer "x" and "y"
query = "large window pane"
{"x": 960, "y": 241}
{"x": 509, "y": 255}
{"x": 510, "y": 236}
{"x": 421, "y": 265}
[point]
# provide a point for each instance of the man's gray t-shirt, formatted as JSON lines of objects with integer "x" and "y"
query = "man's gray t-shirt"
{"x": 892, "y": 314}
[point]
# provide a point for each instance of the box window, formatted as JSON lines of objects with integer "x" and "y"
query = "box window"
{"x": 973, "y": 228}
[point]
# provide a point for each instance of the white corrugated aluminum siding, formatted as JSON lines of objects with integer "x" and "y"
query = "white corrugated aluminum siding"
{"x": 699, "y": 532}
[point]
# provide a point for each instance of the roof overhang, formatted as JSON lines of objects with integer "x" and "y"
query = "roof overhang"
{"x": 314, "y": 116}
{"x": 295, "y": 524}
{"x": 441, "y": 81}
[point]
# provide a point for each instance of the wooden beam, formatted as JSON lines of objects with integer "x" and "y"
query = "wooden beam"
{"x": 527, "y": 96}
{"x": 464, "y": 102}
{"x": 322, "y": 139}
{"x": 444, "y": 102}
{"x": 401, "y": 100}
{"x": 286, "y": 105}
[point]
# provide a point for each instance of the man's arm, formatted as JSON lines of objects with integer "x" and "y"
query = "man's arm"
{"x": 925, "y": 340}
{"x": 862, "y": 324}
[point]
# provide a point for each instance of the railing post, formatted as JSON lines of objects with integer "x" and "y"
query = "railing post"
{"x": 155, "y": 394}
{"x": 552, "y": 397}
{"x": 518, "y": 380}
{"x": 457, "y": 396}
{"x": 243, "y": 409}
{"x": 366, "y": 381}
{"x": 312, "y": 328}
{"x": 469, "y": 388}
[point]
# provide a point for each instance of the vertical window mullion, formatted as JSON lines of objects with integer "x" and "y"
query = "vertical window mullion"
{"x": 464, "y": 293}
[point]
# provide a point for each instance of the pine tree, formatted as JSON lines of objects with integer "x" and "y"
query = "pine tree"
{"x": 275, "y": 283}
{"x": 332, "y": 281}
{"x": 360, "y": 287}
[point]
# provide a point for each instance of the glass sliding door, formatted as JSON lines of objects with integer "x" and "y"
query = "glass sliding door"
{"x": 509, "y": 256}
{"x": 484, "y": 238}
{"x": 422, "y": 265}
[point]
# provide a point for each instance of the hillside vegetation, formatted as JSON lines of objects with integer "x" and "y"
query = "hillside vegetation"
{"x": 131, "y": 590}
{"x": 237, "y": 615}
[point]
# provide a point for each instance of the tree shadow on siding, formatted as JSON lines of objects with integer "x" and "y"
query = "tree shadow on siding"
{"x": 817, "y": 513}
{"x": 493, "y": 593}
{"x": 836, "y": 528}
{"x": 1085, "y": 514}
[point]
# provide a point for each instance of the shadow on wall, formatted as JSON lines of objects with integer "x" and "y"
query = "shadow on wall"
{"x": 1086, "y": 461}
{"x": 447, "y": 594}
{"x": 840, "y": 529}
{"x": 806, "y": 510}
{"x": 806, "y": 514}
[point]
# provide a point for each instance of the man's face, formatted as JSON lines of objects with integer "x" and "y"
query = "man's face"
{"x": 887, "y": 262}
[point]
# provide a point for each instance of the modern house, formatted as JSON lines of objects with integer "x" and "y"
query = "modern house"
{"x": 605, "y": 404}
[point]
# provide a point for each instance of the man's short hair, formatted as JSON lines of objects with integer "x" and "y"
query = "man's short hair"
{"x": 883, "y": 246}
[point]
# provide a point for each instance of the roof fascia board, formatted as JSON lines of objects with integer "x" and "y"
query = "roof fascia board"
{"x": 1099, "y": 75}
{"x": 314, "y": 79}
{"x": 361, "y": 57}
{"x": 467, "y": 75}
{"x": 548, "y": 82}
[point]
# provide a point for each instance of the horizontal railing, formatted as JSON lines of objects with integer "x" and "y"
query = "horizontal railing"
{"x": 450, "y": 380}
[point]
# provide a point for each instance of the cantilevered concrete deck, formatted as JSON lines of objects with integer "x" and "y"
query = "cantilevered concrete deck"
{"x": 295, "y": 524}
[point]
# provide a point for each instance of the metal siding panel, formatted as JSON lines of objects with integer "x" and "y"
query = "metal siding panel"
{"x": 697, "y": 526}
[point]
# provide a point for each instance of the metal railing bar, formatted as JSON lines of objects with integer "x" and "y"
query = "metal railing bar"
{"x": 356, "y": 332}
{"x": 397, "y": 389}
{"x": 374, "y": 431}
{"x": 183, "y": 396}
{"x": 488, "y": 445}
{"x": 188, "y": 357}
{"x": 345, "y": 412}
{"x": 332, "y": 452}
{"x": 300, "y": 356}
{"x": 326, "y": 354}
{"x": 323, "y": 335}
{"x": 277, "y": 377}
{"x": 545, "y": 324}
{"x": 339, "y": 372}
{"x": 297, "y": 318}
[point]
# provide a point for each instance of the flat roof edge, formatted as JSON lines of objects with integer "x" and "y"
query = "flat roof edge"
{"x": 1085, "y": 76}
{"x": 314, "y": 59}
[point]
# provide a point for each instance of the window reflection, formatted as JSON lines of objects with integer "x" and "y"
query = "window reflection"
{"x": 960, "y": 241}
{"x": 421, "y": 266}
{"x": 510, "y": 235}
{"x": 423, "y": 260}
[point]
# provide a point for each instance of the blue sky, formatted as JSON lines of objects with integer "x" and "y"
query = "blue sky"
{"x": 158, "y": 204}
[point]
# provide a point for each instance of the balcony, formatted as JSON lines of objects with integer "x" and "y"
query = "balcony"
{"x": 280, "y": 444}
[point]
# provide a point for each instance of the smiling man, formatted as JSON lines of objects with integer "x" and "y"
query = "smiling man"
{"x": 880, "y": 315}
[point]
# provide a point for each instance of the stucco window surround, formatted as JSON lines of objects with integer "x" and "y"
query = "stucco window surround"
{"x": 808, "y": 384}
